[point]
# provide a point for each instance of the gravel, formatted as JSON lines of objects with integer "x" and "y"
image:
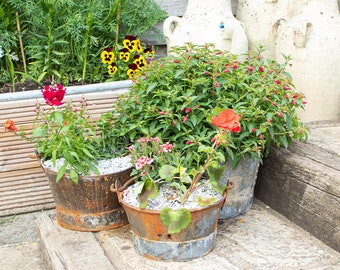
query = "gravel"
{"x": 170, "y": 196}
{"x": 105, "y": 166}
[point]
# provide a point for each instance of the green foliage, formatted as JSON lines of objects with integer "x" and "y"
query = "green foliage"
{"x": 173, "y": 96}
{"x": 175, "y": 220}
{"x": 63, "y": 39}
{"x": 66, "y": 132}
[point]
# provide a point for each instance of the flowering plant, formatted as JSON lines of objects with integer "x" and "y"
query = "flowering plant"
{"x": 173, "y": 95}
{"x": 63, "y": 130}
{"x": 126, "y": 61}
{"x": 159, "y": 163}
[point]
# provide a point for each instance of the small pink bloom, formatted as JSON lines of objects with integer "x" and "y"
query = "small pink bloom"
{"x": 286, "y": 87}
{"x": 142, "y": 140}
{"x": 226, "y": 70}
{"x": 261, "y": 69}
{"x": 218, "y": 53}
{"x": 185, "y": 119}
{"x": 274, "y": 103}
{"x": 217, "y": 84}
{"x": 162, "y": 113}
{"x": 271, "y": 71}
{"x": 260, "y": 137}
{"x": 143, "y": 173}
{"x": 265, "y": 99}
{"x": 167, "y": 147}
{"x": 295, "y": 96}
{"x": 131, "y": 147}
{"x": 304, "y": 102}
{"x": 234, "y": 66}
{"x": 155, "y": 139}
{"x": 253, "y": 130}
{"x": 277, "y": 81}
{"x": 286, "y": 96}
{"x": 187, "y": 110}
{"x": 250, "y": 68}
{"x": 174, "y": 122}
{"x": 279, "y": 114}
{"x": 188, "y": 142}
{"x": 176, "y": 61}
{"x": 293, "y": 102}
{"x": 270, "y": 120}
{"x": 206, "y": 72}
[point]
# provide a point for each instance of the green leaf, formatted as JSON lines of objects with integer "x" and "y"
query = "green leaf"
{"x": 175, "y": 220}
{"x": 149, "y": 191}
{"x": 61, "y": 172}
{"x": 74, "y": 176}
{"x": 166, "y": 172}
{"x": 205, "y": 201}
{"x": 284, "y": 141}
{"x": 59, "y": 117}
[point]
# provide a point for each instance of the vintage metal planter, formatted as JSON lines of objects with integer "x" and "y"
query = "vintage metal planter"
{"x": 240, "y": 198}
{"x": 151, "y": 239}
{"x": 88, "y": 205}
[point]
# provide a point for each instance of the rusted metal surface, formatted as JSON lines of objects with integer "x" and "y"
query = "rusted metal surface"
{"x": 240, "y": 198}
{"x": 88, "y": 205}
{"x": 152, "y": 240}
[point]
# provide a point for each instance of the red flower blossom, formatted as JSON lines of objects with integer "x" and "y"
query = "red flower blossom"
{"x": 250, "y": 68}
{"x": 10, "y": 126}
{"x": 54, "y": 95}
{"x": 227, "y": 120}
{"x": 261, "y": 68}
{"x": 187, "y": 110}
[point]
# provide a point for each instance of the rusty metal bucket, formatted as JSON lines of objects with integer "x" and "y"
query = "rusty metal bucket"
{"x": 151, "y": 239}
{"x": 88, "y": 205}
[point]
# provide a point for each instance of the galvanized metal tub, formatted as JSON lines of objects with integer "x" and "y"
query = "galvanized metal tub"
{"x": 151, "y": 239}
{"x": 240, "y": 198}
{"x": 88, "y": 205}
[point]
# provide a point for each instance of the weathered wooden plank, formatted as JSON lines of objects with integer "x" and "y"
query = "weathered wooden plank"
{"x": 173, "y": 7}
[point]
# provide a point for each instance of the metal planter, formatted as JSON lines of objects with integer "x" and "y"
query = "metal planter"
{"x": 151, "y": 239}
{"x": 88, "y": 205}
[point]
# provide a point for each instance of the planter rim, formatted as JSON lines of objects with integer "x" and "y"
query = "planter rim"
{"x": 157, "y": 212}
{"x": 71, "y": 90}
{"x": 86, "y": 176}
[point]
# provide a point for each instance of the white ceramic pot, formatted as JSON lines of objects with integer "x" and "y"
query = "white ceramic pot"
{"x": 207, "y": 22}
{"x": 312, "y": 38}
{"x": 260, "y": 19}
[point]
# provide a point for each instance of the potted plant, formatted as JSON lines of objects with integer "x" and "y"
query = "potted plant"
{"x": 72, "y": 156}
{"x": 173, "y": 212}
{"x": 172, "y": 96}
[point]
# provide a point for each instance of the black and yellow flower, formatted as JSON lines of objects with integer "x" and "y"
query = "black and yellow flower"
{"x": 107, "y": 56}
{"x": 124, "y": 54}
{"x": 139, "y": 61}
{"x": 132, "y": 71}
{"x": 112, "y": 69}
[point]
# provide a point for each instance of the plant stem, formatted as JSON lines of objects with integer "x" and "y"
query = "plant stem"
{"x": 199, "y": 176}
{"x": 20, "y": 41}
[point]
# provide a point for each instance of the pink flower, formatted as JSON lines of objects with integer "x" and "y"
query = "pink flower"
{"x": 187, "y": 110}
{"x": 143, "y": 173}
{"x": 277, "y": 81}
{"x": 155, "y": 139}
{"x": 304, "y": 102}
{"x": 226, "y": 70}
{"x": 143, "y": 140}
{"x": 260, "y": 137}
{"x": 176, "y": 61}
{"x": 286, "y": 87}
{"x": 250, "y": 68}
{"x": 188, "y": 142}
{"x": 131, "y": 147}
{"x": 293, "y": 102}
{"x": 185, "y": 119}
{"x": 274, "y": 103}
{"x": 265, "y": 99}
{"x": 167, "y": 147}
{"x": 162, "y": 113}
{"x": 206, "y": 72}
{"x": 280, "y": 114}
{"x": 174, "y": 122}
{"x": 234, "y": 66}
{"x": 261, "y": 69}
{"x": 217, "y": 84}
{"x": 253, "y": 130}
